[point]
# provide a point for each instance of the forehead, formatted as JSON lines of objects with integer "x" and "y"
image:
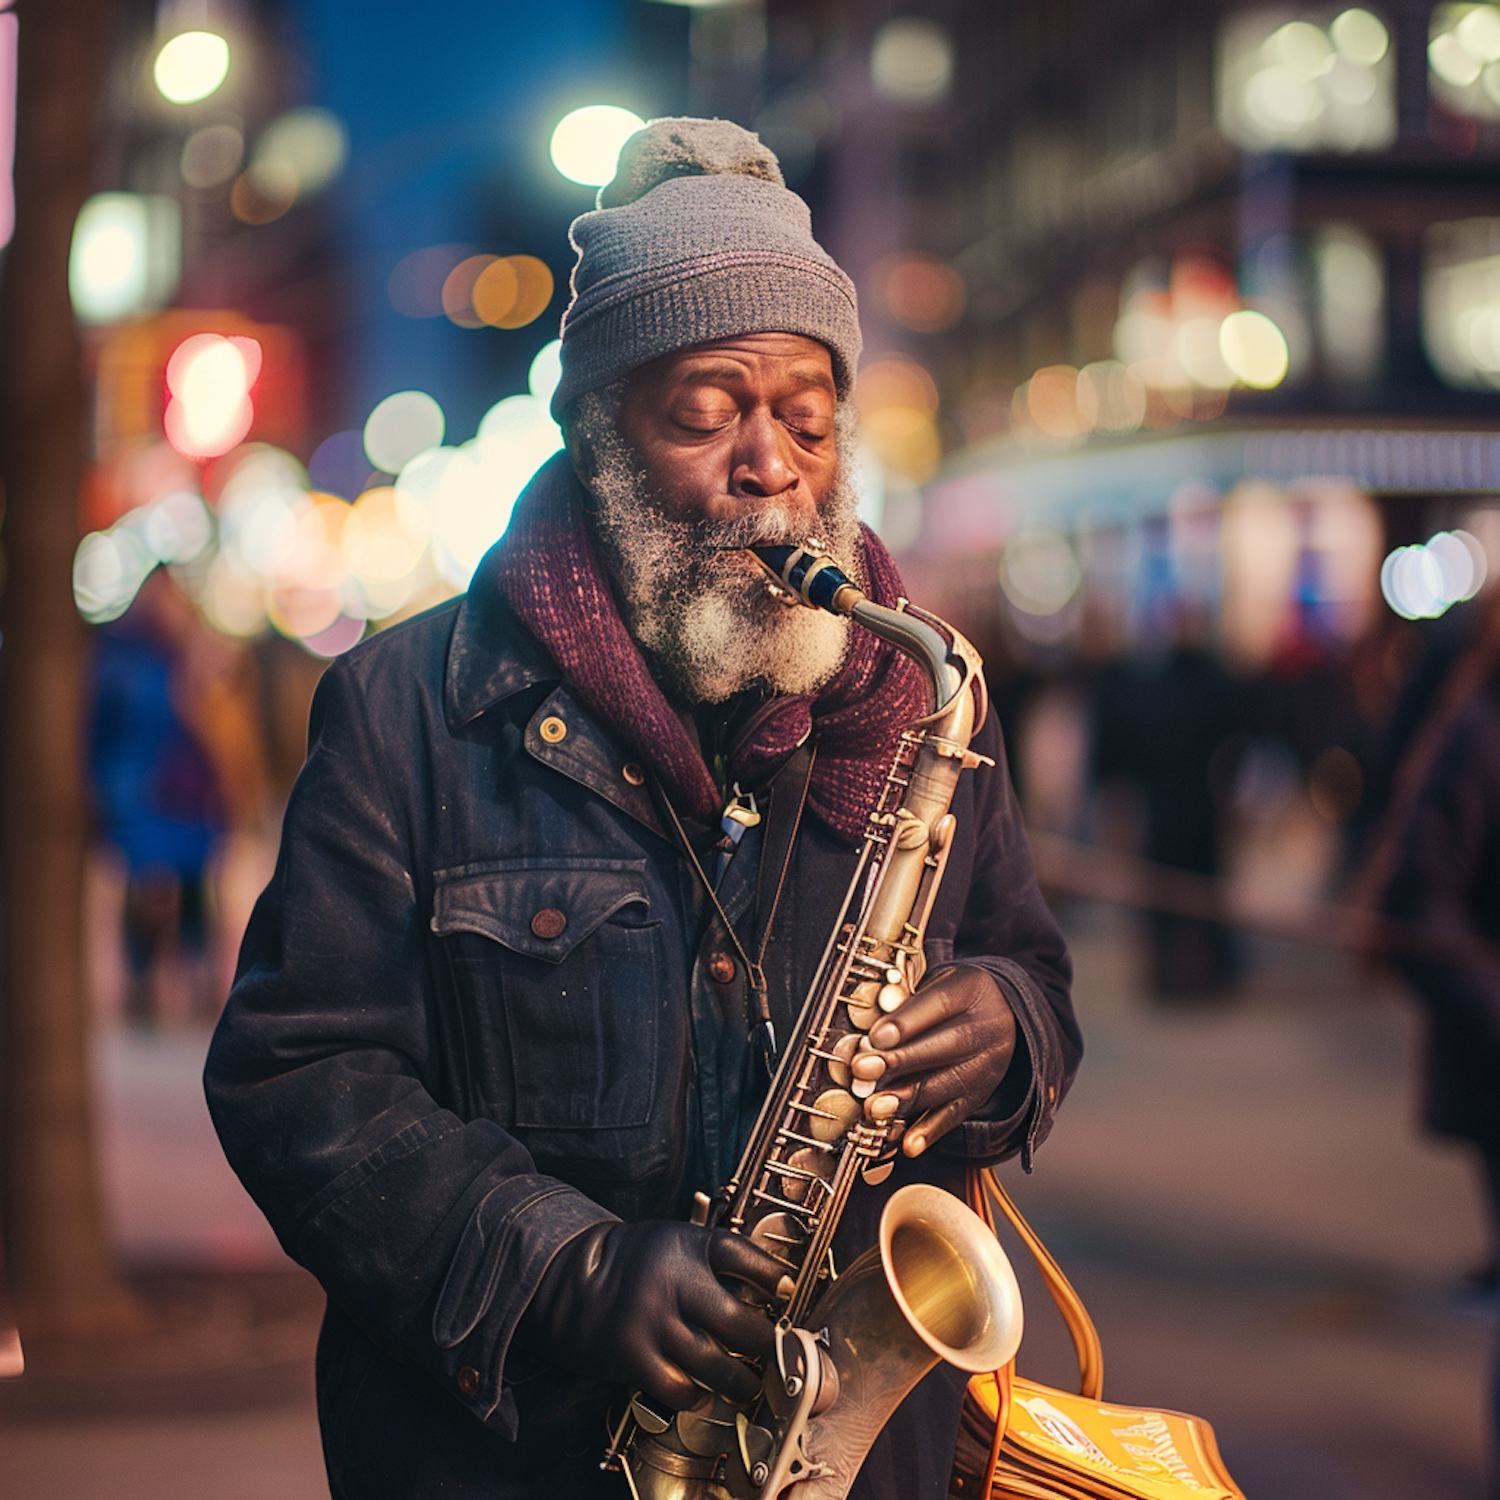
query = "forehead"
{"x": 753, "y": 358}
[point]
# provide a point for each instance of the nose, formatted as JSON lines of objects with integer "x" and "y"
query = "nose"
{"x": 761, "y": 467}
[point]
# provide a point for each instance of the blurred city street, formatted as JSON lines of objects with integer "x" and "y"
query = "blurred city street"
{"x": 1159, "y": 358}
{"x": 1237, "y": 1191}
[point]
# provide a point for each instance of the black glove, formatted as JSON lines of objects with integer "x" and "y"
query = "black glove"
{"x": 642, "y": 1305}
{"x": 939, "y": 1056}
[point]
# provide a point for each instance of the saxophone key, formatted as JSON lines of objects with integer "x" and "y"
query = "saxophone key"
{"x": 831, "y": 1115}
{"x": 801, "y": 1170}
{"x": 839, "y": 1059}
{"x": 777, "y": 1233}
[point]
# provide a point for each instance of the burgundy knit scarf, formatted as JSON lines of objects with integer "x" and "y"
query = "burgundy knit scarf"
{"x": 551, "y": 576}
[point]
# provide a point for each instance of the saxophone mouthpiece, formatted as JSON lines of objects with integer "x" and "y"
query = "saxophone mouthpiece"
{"x": 803, "y": 572}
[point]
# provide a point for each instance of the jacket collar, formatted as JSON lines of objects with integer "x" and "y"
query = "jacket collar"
{"x": 491, "y": 656}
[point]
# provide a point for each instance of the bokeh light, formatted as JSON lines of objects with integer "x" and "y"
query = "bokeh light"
{"x": 125, "y": 255}
{"x": 305, "y": 149}
{"x": 1461, "y": 302}
{"x": 191, "y": 66}
{"x": 400, "y": 427}
{"x": 458, "y": 290}
{"x": 498, "y": 305}
{"x": 109, "y": 568}
{"x": 1254, "y": 349}
{"x": 585, "y": 146}
{"x": 1425, "y": 581}
{"x": 921, "y": 292}
{"x": 546, "y": 371}
{"x": 210, "y": 378}
{"x": 339, "y": 465}
{"x": 911, "y": 60}
{"x": 1039, "y": 571}
{"x": 262, "y": 195}
{"x": 898, "y": 402}
{"x": 1463, "y": 58}
{"x": 1306, "y": 83}
{"x": 212, "y": 155}
{"x": 416, "y": 281}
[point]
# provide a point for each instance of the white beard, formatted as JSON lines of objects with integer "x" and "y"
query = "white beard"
{"x": 696, "y": 604}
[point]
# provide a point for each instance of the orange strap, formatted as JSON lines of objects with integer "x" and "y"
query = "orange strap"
{"x": 984, "y": 1189}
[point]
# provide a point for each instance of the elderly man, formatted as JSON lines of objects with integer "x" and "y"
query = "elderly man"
{"x": 493, "y": 1025}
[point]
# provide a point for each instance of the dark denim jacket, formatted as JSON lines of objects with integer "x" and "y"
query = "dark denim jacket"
{"x": 428, "y": 1087}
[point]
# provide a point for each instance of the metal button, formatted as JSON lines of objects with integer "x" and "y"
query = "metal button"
{"x": 721, "y": 968}
{"x": 468, "y": 1380}
{"x": 633, "y": 774}
{"x": 548, "y": 923}
{"x": 553, "y": 729}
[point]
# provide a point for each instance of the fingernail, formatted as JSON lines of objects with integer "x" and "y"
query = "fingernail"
{"x": 867, "y": 1065}
{"x": 916, "y": 1145}
{"x": 887, "y": 1034}
{"x": 883, "y": 1106}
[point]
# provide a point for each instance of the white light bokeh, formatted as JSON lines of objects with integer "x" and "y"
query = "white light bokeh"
{"x": 546, "y": 371}
{"x": 1424, "y": 581}
{"x": 125, "y": 256}
{"x": 1254, "y": 348}
{"x": 109, "y": 568}
{"x": 471, "y": 491}
{"x": 1306, "y": 83}
{"x": 1461, "y": 302}
{"x": 400, "y": 427}
{"x": 210, "y": 378}
{"x": 585, "y": 146}
{"x": 191, "y": 66}
{"x": 911, "y": 60}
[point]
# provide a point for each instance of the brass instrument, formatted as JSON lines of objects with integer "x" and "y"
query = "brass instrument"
{"x": 849, "y": 1346}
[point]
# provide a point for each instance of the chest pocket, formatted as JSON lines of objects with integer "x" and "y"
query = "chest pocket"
{"x": 559, "y": 964}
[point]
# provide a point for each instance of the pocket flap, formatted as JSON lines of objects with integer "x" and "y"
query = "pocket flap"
{"x": 542, "y": 908}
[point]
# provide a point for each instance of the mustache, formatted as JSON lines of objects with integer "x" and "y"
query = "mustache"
{"x": 771, "y": 525}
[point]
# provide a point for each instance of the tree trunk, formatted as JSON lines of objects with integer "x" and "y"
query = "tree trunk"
{"x": 63, "y": 1273}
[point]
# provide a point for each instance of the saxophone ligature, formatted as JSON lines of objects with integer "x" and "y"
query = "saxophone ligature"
{"x": 936, "y": 1286}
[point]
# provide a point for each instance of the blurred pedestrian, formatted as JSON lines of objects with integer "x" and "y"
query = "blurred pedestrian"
{"x": 1440, "y": 868}
{"x": 173, "y": 766}
{"x": 1157, "y": 724}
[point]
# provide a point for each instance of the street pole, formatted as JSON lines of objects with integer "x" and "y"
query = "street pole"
{"x": 64, "y": 1277}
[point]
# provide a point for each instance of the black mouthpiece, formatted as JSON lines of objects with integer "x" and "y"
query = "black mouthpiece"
{"x": 812, "y": 577}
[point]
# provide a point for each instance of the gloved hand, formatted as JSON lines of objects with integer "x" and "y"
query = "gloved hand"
{"x": 642, "y": 1305}
{"x": 939, "y": 1056}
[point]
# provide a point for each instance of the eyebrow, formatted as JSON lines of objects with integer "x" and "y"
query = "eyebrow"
{"x": 807, "y": 377}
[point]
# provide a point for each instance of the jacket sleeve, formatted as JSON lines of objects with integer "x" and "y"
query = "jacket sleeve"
{"x": 1007, "y": 930}
{"x": 1446, "y": 859}
{"x": 429, "y": 1231}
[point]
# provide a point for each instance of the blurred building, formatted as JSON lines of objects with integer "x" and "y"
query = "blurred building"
{"x": 1183, "y": 329}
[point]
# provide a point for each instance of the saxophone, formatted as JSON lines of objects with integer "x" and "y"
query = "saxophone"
{"x": 849, "y": 1345}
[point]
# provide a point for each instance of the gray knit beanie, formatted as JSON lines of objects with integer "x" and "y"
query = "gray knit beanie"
{"x": 697, "y": 238}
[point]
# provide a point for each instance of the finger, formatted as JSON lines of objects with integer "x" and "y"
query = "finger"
{"x": 933, "y": 1126}
{"x": 733, "y": 1255}
{"x": 910, "y": 1099}
{"x": 710, "y": 1366}
{"x": 917, "y": 1013}
{"x": 740, "y": 1327}
{"x": 667, "y": 1383}
{"x": 945, "y": 1046}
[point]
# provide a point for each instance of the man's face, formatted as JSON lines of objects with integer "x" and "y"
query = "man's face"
{"x": 739, "y": 426}
{"x": 698, "y": 456}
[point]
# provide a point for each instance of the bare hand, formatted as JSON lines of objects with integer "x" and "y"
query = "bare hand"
{"x": 939, "y": 1056}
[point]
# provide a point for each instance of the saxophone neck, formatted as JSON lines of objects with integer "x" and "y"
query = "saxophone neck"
{"x": 804, "y": 575}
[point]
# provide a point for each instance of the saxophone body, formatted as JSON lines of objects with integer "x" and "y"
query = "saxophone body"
{"x": 851, "y": 1343}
